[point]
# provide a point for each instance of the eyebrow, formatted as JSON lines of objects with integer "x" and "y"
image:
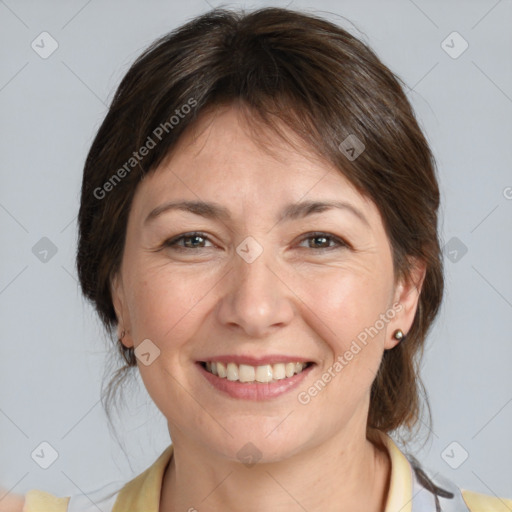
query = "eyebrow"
{"x": 290, "y": 212}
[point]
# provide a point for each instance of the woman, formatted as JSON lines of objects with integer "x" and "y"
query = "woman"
{"x": 258, "y": 223}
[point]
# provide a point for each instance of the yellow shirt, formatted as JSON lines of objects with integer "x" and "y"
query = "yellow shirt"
{"x": 407, "y": 492}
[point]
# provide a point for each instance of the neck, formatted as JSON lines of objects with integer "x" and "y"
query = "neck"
{"x": 347, "y": 474}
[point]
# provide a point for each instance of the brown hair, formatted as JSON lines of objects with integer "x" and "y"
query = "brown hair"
{"x": 323, "y": 83}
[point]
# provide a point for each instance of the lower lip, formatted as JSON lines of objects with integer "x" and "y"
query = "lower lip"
{"x": 254, "y": 390}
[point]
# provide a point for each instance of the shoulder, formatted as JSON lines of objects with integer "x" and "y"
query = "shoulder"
{"x": 142, "y": 493}
{"x": 447, "y": 496}
{"x": 100, "y": 499}
{"x": 477, "y": 502}
{"x": 41, "y": 501}
{"x": 416, "y": 488}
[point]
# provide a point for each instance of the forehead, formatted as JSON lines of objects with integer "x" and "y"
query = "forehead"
{"x": 231, "y": 156}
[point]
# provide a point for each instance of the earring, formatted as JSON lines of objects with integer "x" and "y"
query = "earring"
{"x": 398, "y": 335}
{"x": 123, "y": 333}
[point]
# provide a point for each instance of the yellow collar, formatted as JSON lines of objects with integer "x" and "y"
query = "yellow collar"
{"x": 400, "y": 484}
{"x": 142, "y": 494}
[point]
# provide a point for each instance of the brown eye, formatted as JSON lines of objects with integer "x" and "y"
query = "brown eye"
{"x": 190, "y": 241}
{"x": 322, "y": 241}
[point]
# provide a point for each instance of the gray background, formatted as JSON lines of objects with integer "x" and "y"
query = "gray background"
{"x": 53, "y": 351}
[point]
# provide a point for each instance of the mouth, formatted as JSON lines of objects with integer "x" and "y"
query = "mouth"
{"x": 264, "y": 374}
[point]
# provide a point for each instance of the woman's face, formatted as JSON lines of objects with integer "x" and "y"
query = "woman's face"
{"x": 268, "y": 281}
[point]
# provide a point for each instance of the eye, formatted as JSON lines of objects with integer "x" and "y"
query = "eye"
{"x": 323, "y": 240}
{"x": 190, "y": 241}
{"x": 196, "y": 240}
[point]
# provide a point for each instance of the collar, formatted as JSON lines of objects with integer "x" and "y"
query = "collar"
{"x": 142, "y": 494}
{"x": 400, "y": 484}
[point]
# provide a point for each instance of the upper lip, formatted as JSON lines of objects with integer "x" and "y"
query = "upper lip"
{"x": 254, "y": 360}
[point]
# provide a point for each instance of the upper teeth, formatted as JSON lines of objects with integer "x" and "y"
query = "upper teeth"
{"x": 247, "y": 373}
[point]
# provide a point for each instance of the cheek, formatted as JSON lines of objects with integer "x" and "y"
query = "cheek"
{"x": 345, "y": 302}
{"x": 346, "y": 310}
{"x": 165, "y": 308}
{"x": 342, "y": 311}
{"x": 165, "y": 303}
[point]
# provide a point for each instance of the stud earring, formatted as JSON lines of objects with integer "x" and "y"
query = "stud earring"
{"x": 398, "y": 335}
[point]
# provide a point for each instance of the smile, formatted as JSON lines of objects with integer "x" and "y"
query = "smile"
{"x": 266, "y": 373}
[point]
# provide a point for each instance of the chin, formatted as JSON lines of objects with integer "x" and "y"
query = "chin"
{"x": 250, "y": 447}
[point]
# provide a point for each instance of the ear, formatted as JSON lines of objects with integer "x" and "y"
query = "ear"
{"x": 405, "y": 300}
{"x": 119, "y": 303}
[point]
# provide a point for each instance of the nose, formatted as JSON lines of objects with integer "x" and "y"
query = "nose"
{"x": 256, "y": 300}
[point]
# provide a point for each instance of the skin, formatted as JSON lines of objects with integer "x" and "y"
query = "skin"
{"x": 294, "y": 299}
{"x": 10, "y": 502}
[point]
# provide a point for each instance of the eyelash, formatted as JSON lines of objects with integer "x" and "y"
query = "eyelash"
{"x": 173, "y": 242}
